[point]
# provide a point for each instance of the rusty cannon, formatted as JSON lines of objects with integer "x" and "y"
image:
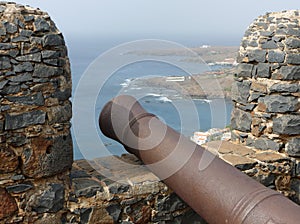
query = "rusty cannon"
{"x": 217, "y": 191}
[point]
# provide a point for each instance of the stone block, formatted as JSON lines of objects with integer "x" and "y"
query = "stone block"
{"x": 293, "y": 59}
{"x": 240, "y": 92}
{"x": 269, "y": 45}
{"x": 86, "y": 187}
{"x": 53, "y": 40}
{"x": 244, "y": 70}
{"x": 8, "y": 205}
{"x": 23, "y": 67}
{"x": 279, "y": 104}
{"x": 266, "y": 144}
{"x": 287, "y": 125}
{"x": 35, "y": 99}
{"x": 283, "y": 87}
{"x": 45, "y": 71}
{"x": 263, "y": 70}
{"x": 292, "y": 43}
{"x": 276, "y": 56}
{"x": 241, "y": 120}
{"x": 5, "y": 63}
{"x": 36, "y": 57}
{"x": 17, "y": 121}
{"x": 19, "y": 188}
{"x": 60, "y": 114}
{"x": 41, "y": 25}
{"x": 257, "y": 55}
{"x": 289, "y": 73}
{"x": 293, "y": 147}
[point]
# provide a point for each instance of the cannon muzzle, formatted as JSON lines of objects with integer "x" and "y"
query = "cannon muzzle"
{"x": 217, "y": 191}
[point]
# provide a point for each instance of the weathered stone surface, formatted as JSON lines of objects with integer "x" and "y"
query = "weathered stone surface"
{"x": 280, "y": 104}
{"x": 241, "y": 120}
{"x": 293, "y": 147}
{"x": 259, "y": 87}
{"x": 289, "y": 72}
{"x": 5, "y": 63}
{"x": 10, "y": 27}
{"x": 265, "y": 144}
{"x": 240, "y": 92}
{"x": 41, "y": 25}
{"x": 23, "y": 67}
{"x": 287, "y": 124}
{"x": 16, "y": 121}
{"x": 293, "y": 59}
{"x": 8, "y": 205}
{"x": 36, "y": 57}
{"x": 60, "y": 114}
{"x": 114, "y": 210}
{"x": 86, "y": 187}
{"x": 244, "y": 70}
{"x": 9, "y": 161}
{"x": 276, "y": 56}
{"x": 25, "y": 77}
{"x": 52, "y": 40}
{"x": 19, "y": 188}
{"x": 48, "y": 54}
{"x": 51, "y": 200}
{"x": 45, "y": 71}
{"x": 257, "y": 55}
{"x": 35, "y": 99}
{"x": 263, "y": 70}
{"x": 62, "y": 95}
{"x": 269, "y": 45}
{"x": 283, "y": 87}
{"x": 20, "y": 39}
{"x": 292, "y": 43}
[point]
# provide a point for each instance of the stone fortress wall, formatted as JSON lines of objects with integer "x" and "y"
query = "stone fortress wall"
{"x": 39, "y": 183}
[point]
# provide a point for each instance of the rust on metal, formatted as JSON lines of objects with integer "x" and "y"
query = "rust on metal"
{"x": 218, "y": 192}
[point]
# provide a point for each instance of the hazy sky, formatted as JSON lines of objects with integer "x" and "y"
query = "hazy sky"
{"x": 158, "y": 18}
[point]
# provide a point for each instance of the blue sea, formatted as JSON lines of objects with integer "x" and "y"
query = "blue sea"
{"x": 182, "y": 113}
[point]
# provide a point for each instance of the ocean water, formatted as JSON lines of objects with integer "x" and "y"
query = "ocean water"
{"x": 182, "y": 113}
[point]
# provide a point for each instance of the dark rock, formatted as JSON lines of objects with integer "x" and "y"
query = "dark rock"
{"x": 10, "y": 27}
{"x": 51, "y": 200}
{"x": 247, "y": 107}
{"x": 292, "y": 43}
{"x": 28, "y": 18}
{"x": 276, "y": 56}
{"x": 20, "y": 39}
{"x": 79, "y": 174}
{"x": 19, "y": 188}
{"x": 8, "y": 205}
{"x": 25, "y": 77}
{"x": 266, "y": 144}
{"x": 280, "y": 104}
{"x": 23, "y": 67}
{"x": 293, "y": 59}
{"x": 4, "y": 108}
{"x": 5, "y": 63}
{"x": 266, "y": 179}
{"x": 295, "y": 186}
{"x": 8, "y": 160}
{"x": 36, "y": 57}
{"x": 257, "y": 55}
{"x": 36, "y": 40}
{"x": 6, "y": 46}
{"x": 287, "y": 125}
{"x": 269, "y": 45}
{"x": 18, "y": 177}
{"x": 293, "y": 148}
{"x": 45, "y": 71}
{"x": 85, "y": 214}
{"x": 54, "y": 62}
{"x": 116, "y": 188}
{"x": 26, "y": 33}
{"x": 41, "y": 25}
{"x": 281, "y": 88}
{"x": 169, "y": 203}
{"x": 240, "y": 92}
{"x": 17, "y": 121}
{"x": 2, "y": 32}
{"x": 60, "y": 114}
{"x": 241, "y": 120}
{"x": 10, "y": 89}
{"x": 263, "y": 70}
{"x": 62, "y": 95}
{"x": 86, "y": 187}
{"x": 53, "y": 40}
{"x": 114, "y": 210}
{"x": 17, "y": 140}
{"x": 244, "y": 70}
{"x": 13, "y": 53}
{"x": 35, "y": 99}
{"x": 48, "y": 54}
{"x": 289, "y": 73}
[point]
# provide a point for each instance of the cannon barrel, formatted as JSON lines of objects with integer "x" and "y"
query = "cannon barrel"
{"x": 218, "y": 192}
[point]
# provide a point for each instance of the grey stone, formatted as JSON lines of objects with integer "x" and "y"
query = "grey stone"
{"x": 19, "y": 188}
{"x": 26, "y": 33}
{"x": 28, "y": 18}
{"x": 281, "y": 88}
{"x": 53, "y": 40}
{"x": 289, "y": 72}
{"x": 85, "y": 214}
{"x": 276, "y": 56}
{"x": 169, "y": 203}
{"x": 114, "y": 210}
{"x": 2, "y": 32}
{"x": 10, "y": 89}
{"x": 3, "y": 83}
{"x": 53, "y": 62}
{"x": 10, "y": 27}
{"x": 5, "y": 108}
{"x": 241, "y": 92}
{"x": 280, "y": 104}
{"x": 20, "y": 39}
{"x": 254, "y": 96}
{"x": 266, "y": 179}
{"x": 6, "y": 46}
{"x": 36, "y": 57}
{"x": 244, "y": 70}
{"x": 269, "y": 45}
{"x": 41, "y": 25}
{"x": 62, "y": 95}
{"x": 36, "y": 40}
{"x": 293, "y": 147}
{"x": 17, "y": 121}
{"x": 25, "y": 77}
{"x": 48, "y": 54}
{"x": 45, "y": 71}
{"x": 295, "y": 186}
{"x": 86, "y": 187}
{"x": 18, "y": 177}
{"x": 257, "y": 55}
{"x": 293, "y": 59}
{"x": 266, "y": 144}
{"x": 241, "y": 120}
{"x": 5, "y": 63}
{"x": 34, "y": 99}
{"x": 51, "y": 200}
{"x": 292, "y": 43}
{"x": 287, "y": 125}
{"x": 263, "y": 70}
{"x": 60, "y": 114}
{"x": 23, "y": 67}
{"x": 17, "y": 140}
{"x": 13, "y": 53}
{"x": 247, "y": 107}
{"x": 75, "y": 174}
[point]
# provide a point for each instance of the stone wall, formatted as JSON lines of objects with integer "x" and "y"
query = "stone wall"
{"x": 266, "y": 92}
{"x": 35, "y": 144}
